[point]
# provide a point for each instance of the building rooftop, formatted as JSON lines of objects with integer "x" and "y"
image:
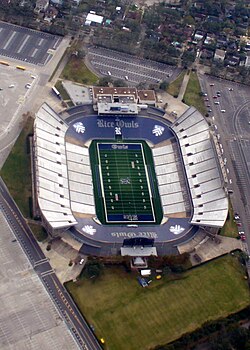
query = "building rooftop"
{"x": 117, "y": 108}
{"x": 97, "y": 91}
{"x": 91, "y": 17}
{"x": 146, "y": 96}
{"x": 137, "y": 251}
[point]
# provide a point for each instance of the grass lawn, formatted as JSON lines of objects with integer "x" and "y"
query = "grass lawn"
{"x": 77, "y": 71}
{"x": 130, "y": 317}
{"x": 174, "y": 88}
{"x": 192, "y": 95}
{"x": 65, "y": 96}
{"x": 230, "y": 228}
{"x": 39, "y": 232}
{"x": 16, "y": 171}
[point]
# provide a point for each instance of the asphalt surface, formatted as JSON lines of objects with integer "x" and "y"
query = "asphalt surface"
{"x": 27, "y": 45}
{"x": 128, "y": 67}
{"x": 65, "y": 305}
{"x": 14, "y": 104}
{"x": 231, "y": 123}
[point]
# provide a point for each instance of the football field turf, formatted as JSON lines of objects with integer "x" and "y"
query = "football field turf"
{"x": 125, "y": 181}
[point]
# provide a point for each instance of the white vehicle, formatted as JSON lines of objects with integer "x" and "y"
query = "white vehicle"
{"x": 28, "y": 86}
{"x": 81, "y": 261}
{"x": 11, "y": 86}
{"x": 216, "y": 102}
{"x": 109, "y": 73}
{"x": 223, "y": 111}
{"x": 126, "y": 77}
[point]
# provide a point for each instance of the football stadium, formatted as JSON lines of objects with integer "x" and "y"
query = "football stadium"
{"x": 122, "y": 178}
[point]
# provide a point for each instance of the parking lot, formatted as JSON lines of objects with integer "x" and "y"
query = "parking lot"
{"x": 123, "y": 66}
{"x": 28, "y": 318}
{"x": 27, "y": 45}
{"x": 15, "y": 87}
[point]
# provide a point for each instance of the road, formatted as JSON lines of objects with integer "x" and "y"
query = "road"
{"x": 230, "y": 121}
{"x": 65, "y": 305}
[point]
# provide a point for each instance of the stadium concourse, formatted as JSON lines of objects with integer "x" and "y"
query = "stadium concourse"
{"x": 78, "y": 194}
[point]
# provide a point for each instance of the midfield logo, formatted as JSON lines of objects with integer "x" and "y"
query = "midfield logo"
{"x": 90, "y": 230}
{"x": 176, "y": 230}
{"x": 79, "y": 127}
{"x": 158, "y": 130}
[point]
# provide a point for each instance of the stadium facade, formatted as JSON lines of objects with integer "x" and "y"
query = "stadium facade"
{"x": 190, "y": 176}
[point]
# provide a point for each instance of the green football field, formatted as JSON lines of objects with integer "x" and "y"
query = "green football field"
{"x": 125, "y": 182}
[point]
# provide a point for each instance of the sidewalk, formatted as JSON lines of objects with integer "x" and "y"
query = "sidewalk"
{"x": 183, "y": 86}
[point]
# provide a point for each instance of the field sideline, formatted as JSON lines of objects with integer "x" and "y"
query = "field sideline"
{"x": 130, "y": 317}
{"x": 125, "y": 184}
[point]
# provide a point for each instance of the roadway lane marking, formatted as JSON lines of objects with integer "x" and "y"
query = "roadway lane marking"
{"x": 8, "y": 42}
{"x": 126, "y": 71}
{"x": 129, "y": 63}
{"x": 23, "y": 43}
{"x": 40, "y": 262}
{"x": 46, "y": 273}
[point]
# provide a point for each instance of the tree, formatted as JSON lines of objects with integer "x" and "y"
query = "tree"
{"x": 104, "y": 81}
{"x": 164, "y": 85}
{"x": 188, "y": 58}
{"x": 238, "y": 338}
{"x": 94, "y": 269}
{"x": 119, "y": 83}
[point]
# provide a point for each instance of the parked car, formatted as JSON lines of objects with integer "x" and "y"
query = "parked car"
{"x": 236, "y": 216}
